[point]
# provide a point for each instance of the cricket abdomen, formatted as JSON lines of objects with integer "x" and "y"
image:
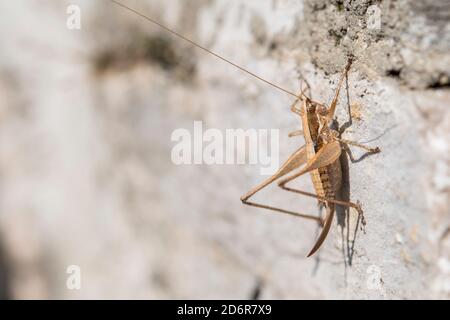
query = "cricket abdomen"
{"x": 327, "y": 180}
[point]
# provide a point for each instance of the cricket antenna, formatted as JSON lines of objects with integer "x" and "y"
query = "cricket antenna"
{"x": 201, "y": 47}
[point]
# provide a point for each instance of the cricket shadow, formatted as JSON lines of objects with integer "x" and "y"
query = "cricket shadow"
{"x": 344, "y": 215}
{"x": 349, "y": 230}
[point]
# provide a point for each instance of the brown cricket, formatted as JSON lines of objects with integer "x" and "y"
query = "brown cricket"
{"x": 319, "y": 156}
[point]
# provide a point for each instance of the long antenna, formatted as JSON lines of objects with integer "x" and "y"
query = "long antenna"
{"x": 201, "y": 47}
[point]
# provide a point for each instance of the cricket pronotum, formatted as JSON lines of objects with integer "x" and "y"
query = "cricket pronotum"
{"x": 319, "y": 156}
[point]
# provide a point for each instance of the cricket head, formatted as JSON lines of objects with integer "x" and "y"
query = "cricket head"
{"x": 310, "y": 118}
{"x": 315, "y": 119}
{"x": 315, "y": 112}
{"x": 322, "y": 117}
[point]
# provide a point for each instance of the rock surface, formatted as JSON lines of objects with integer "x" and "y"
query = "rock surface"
{"x": 86, "y": 176}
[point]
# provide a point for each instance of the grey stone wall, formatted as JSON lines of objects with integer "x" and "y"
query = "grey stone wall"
{"x": 86, "y": 176}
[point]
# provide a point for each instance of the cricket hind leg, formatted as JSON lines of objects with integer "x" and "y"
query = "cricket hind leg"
{"x": 328, "y": 154}
{"x": 328, "y": 220}
{"x": 276, "y": 209}
{"x": 295, "y": 160}
{"x": 327, "y": 202}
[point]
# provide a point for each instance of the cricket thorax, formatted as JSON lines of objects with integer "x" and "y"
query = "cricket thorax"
{"x": 313, "y": 121}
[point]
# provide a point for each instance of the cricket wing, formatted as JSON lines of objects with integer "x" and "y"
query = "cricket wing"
{"x": 328, "y": 154}
{"x": 325, "y": 230}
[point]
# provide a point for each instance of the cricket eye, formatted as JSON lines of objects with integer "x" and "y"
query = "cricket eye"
{"x": 321, "y": 110}
{"x": 310, "y": 109}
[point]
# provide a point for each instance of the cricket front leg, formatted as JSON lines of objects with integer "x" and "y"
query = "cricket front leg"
{"x": 295, "y": 133}
{"x": 333, "y": 104}
{"x": 294, "y": 107}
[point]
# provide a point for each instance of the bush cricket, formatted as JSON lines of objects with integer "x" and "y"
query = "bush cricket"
{"x": 319, "y": 156}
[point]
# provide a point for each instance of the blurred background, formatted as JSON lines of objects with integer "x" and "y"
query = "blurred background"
{"x": 86, "y": 177}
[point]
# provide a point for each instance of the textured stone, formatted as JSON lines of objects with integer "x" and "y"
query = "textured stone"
{"x": 86, "y": 176}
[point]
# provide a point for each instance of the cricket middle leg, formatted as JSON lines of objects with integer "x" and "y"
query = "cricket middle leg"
{"x": 359, "y": 145}
{"x": 356, "y": 205}
{"x": 326, "y": 200}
